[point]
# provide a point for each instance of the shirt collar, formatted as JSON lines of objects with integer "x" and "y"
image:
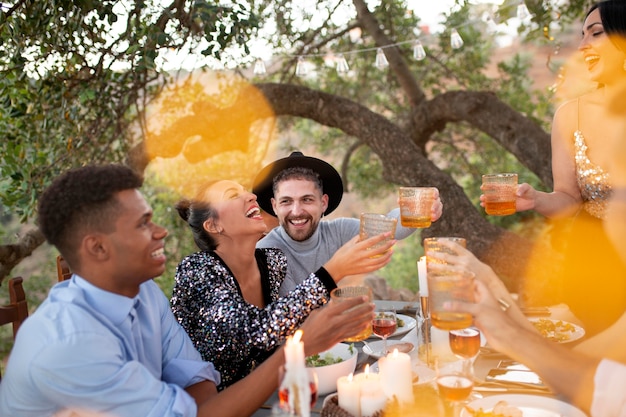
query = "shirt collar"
{"x": 113, "y": 306}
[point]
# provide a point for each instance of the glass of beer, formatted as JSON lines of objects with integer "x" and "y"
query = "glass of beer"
{"x": 373, "y": 224}
{"x": 343, "y": 293}
{"x": 500, "y": 193}
{"x": 449, "y": 285}
{"x": 439, "y": 244}
{"x": 416, "y": 205}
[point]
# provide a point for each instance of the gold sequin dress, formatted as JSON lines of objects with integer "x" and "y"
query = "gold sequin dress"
{"x": 594, "y": 278}
{"x": 593, "y": 182}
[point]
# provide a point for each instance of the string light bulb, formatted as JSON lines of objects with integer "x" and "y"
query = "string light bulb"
{"x": 418, "y": 51}
{"x": 301, "y": 69}
{"x": 342, "y": 65}
{"x": 259, "y": 67}
{"x": 456, "y": 41}
{"x": 381, "y": 60}
{"x": 522, "y": 12}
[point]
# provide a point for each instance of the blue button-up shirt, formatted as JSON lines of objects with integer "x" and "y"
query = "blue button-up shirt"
{"x": 78, "y": 352}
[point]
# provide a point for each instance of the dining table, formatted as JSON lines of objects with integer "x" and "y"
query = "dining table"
{"x": 486, "y": 361}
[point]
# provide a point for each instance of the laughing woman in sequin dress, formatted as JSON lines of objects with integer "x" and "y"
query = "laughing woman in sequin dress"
{"x": 594, "y": 281}
{"x": 226, "y": 295}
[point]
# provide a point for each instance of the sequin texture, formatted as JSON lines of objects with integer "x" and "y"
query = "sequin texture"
{"x": 228, "y": 331}
{"x": 594, "y": 183}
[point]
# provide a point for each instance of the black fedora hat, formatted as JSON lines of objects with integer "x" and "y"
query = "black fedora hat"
{"x": 331, "y": 180}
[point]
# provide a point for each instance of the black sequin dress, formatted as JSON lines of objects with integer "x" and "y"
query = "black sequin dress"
{"x": 228, "y": 331}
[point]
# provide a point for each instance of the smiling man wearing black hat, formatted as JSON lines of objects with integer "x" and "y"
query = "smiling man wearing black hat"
{"x": 300, "y": 190}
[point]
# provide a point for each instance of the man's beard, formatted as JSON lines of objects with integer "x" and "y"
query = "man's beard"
{"x": 299, "y": 236}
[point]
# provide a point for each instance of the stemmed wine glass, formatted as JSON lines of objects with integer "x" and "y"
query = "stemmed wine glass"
{"x": 465, "y": 343}
{"x": 455, "y": 385}
{"x": 384, "y": 324}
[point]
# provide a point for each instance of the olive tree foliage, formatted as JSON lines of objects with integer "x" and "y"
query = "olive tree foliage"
{"x": 77, "y": 77}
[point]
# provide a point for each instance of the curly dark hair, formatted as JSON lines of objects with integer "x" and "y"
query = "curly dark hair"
{"x": 82, "y": 200}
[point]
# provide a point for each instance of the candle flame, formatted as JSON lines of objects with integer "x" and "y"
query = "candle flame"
{"x": 297, "y": 336}
{"x": 367, "y": 370}
{"x": 395, "y": 353}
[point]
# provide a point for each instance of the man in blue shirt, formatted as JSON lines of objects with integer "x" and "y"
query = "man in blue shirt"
{"x": 105, "y": 342}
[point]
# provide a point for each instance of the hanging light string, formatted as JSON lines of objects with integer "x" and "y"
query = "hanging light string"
{"x": 419, "y": 53}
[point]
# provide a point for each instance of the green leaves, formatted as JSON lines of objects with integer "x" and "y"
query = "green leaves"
{"x": 75, "y": 77}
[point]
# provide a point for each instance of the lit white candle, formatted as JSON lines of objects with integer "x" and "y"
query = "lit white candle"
{"x": 421, "y": 275}
{"x": 296, "y": 379}
{"x": 365, "y": 374}
{"x": 373, "y": 399}
{"x": 349, "y": 395}
{"x": 396, "y": 376}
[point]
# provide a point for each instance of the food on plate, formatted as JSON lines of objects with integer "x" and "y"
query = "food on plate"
{"x": 399, "y": 322}
{"x": 500, "y": 409}
{"x": 317, "y": 360}
{"x": 555, "y": 330}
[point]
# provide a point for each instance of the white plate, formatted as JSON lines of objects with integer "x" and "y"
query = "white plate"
{"x": 576, "y": 334}
{"x": 409, "y": 324}
{"x": 423, "y": 373}
{"x": 374, "y": 349}
{"x": 531, "y": 405}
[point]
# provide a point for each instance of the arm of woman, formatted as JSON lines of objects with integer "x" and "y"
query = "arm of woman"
{"x": 569, "y": 373}
{"x": 464, "y": 260}
{"x": 565, "y": 199}
{"x": 608, "y": 344}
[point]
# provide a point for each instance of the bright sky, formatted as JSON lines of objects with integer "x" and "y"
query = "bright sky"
{"x": 429, "y": 11}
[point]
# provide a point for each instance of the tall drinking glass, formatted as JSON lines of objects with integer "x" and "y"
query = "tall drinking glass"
{"x": 342, "y": 293}
{"x": 500, "y": 193}
{"x": 449, "y": 285}
{"x": 416, "y": 205}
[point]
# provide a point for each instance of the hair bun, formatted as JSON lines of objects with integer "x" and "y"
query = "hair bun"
{"x": 183, "y": 207}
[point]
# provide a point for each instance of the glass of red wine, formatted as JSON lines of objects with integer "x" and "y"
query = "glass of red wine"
{"x": 384, "y": 324}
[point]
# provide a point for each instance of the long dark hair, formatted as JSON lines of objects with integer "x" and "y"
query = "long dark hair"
{"x": 613, "y": 17}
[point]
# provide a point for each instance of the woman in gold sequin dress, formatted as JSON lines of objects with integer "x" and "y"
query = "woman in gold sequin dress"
{"x": 593, "y": 279}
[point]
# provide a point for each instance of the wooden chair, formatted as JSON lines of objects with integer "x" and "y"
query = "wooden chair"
{"x": 17, "y": 311}
{"x": 63, "y": 269}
